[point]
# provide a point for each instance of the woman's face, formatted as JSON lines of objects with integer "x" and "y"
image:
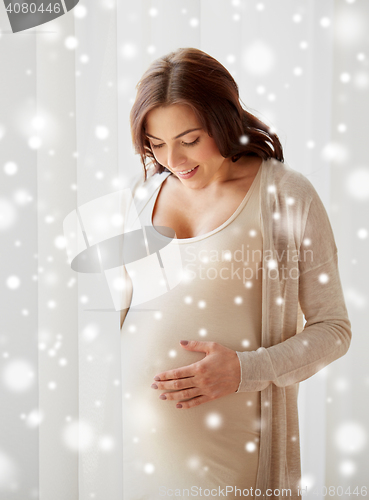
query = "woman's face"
{"x": 179, "y": 143}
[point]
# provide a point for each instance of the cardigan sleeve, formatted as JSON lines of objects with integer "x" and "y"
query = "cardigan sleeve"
{"x": 327, "y": 332}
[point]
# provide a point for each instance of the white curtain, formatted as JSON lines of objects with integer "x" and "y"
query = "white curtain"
{"x": 67, "y": 89}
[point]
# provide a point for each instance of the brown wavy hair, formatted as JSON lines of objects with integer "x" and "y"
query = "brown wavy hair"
{"x": 190, "y": 76}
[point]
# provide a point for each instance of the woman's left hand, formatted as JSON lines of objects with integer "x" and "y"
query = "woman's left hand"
{"x": 214, "y": 376}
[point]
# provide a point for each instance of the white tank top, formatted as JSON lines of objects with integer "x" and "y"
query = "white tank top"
{"x": 170, "y": 451}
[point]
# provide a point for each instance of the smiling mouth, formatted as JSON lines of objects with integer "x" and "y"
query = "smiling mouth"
{"x": 186, "y": 171}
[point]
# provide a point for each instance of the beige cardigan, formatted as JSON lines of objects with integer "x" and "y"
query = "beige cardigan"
{"x": 300, "y": 276}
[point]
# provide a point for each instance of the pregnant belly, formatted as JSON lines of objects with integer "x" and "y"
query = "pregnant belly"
{"x": 143, "y": 357}
{"x": 211, "y": 442}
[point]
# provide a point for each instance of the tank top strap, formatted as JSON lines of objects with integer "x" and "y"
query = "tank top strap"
{"x": 150, "y": 186}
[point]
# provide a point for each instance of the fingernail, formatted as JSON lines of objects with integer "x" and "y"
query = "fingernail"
{"x": 156, "y": 377}
{"x": 162, "y": 396}
{"x": 183, "y": 342}
{"x": 178, "y": 406}
{"x": 154, "y": 386}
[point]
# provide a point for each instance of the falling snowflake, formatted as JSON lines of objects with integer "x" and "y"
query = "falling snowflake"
{"x": 250, "y": 446}
{"x": 214, "y": 420}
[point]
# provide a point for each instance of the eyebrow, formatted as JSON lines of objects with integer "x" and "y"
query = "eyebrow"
{"x": 177, "y": 136}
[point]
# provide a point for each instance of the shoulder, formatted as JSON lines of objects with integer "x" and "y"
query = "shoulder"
{"x": 137, "y": 179}
{"x": 154, "y": 180}
{"x": 142, "y": 189}
{"x": 286, "y": 181}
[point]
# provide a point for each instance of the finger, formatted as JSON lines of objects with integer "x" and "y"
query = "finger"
{"x": 177, "y": 373}
{"x": 185, "y": 394}
{"x": 193, "y": 402}
{"x": 177, "y": 384}
{"x": 199, "y": 345}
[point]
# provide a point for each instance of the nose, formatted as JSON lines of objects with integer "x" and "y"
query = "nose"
{"x": 175, "y": 158}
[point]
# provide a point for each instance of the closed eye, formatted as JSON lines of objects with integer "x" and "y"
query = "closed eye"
{"x": 184, "y": 144}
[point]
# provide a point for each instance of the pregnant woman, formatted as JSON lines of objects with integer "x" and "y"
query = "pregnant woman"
{"x": 211, "y": 368}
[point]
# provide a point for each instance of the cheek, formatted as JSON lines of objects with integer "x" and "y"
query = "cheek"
{"x": 158, "y": 156}
{"x": 208, "y": 153}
